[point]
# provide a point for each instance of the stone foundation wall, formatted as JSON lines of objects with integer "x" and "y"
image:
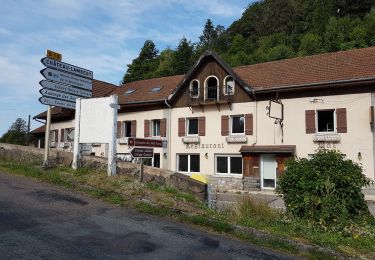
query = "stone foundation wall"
{"x": 34, "y": 155}
{"x": 226, "y": 183}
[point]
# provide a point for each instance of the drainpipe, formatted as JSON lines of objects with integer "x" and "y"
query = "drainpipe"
{"x": 256, "y": 118}
{"x": 169, "y": 134}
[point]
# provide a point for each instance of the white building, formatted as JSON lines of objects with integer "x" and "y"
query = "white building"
{"x": 239, "y": 125}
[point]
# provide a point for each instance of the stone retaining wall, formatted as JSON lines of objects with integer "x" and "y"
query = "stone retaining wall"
{"x": 182, "y": 182}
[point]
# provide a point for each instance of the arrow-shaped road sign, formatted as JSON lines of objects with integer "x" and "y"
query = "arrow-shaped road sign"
{"x": 59, "y": 95}
{"x": 142, "y": 152}
{"x": 57, "y": 102}
{"x": 69, "y": 68}
{"x": 65, "y": 88}
{"x": 66, "y": 78}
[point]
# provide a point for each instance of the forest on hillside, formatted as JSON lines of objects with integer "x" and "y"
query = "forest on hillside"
{"x": 268, "y": 30}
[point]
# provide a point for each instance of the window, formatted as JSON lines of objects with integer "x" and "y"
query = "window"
{"x": 211, "y": 85}
{"x": 155, "y": 89}
{"x": 326, "y": 120}
{"x": 68, "y": 134}
{"x": 192, "y": 126}
{"x": 228, "y": 85}
{"x": 237, "y": 124}
{"x": 188, "y": 163}
{"x": 229, "y": 164}
{"x": 155, "y": 126}
{"x": 194, "y": 88}
{"x": 129, "y": 91}
{"x": 127, "y": 128}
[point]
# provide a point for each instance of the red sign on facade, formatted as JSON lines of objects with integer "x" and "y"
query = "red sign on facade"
{"x": 145, "y": 142}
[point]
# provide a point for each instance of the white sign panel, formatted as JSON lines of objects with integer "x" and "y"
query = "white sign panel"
{"x": 96, "y": 120}
{"x": 54, "y": 64}
{"x": 67, "y": 78}
{"x": 57, "y": 102}
{"x": 59, "y": 95}
{"x": 65, "y": 88}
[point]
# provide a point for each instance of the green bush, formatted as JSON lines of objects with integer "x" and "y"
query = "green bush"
{"x": 325, "y": 189}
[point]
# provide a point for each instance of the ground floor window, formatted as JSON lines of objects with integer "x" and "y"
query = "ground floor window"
{"x": 229, "y": 164}
{"x": 188, "y": 163}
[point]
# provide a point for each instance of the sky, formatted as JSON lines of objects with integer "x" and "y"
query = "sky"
{"x": 100, "y": 35}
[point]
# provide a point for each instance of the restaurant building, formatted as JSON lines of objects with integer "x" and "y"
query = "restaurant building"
{"x": 239, "y": 125}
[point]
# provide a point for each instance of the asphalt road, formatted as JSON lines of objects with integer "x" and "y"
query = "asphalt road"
{"x": 40, "y": 221}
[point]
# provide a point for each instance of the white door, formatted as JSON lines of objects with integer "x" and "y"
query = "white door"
{"x": 268, "y": 171}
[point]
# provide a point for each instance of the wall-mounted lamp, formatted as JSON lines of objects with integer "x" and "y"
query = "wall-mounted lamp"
{"x": 206, "y": 155}
{"x": 359, "y": 156}
{"x": 165, "y": 155}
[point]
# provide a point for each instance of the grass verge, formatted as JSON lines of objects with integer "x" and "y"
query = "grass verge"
{"x": 167, "y": 201}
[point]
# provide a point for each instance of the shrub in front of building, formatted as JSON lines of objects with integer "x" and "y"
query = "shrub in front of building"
{"x": 325, "y": 189}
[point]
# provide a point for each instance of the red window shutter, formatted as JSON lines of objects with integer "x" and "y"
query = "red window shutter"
{"x": 341, "y": 120}
{"x": 224, "y": 125}
{"x": 202, "y": 126}
{"x": 163, "y": 127}
{"x": 249, "y": 124}
{"x": 133, "y": 131}
{"x": 181, "y": 126}
{"x": 62, "y": 135}
{"x": 310, "y": 121}
{"x": 147, "y": 128}
{"x": 119, "y": 128}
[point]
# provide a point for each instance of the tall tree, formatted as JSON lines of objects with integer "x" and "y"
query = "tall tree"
{"x": 17, "y": 133}
{"x": 182, "y": 57}
{"x": 145, "y": 65}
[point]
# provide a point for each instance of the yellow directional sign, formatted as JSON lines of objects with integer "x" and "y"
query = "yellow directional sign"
{"x": 54, "y": 55}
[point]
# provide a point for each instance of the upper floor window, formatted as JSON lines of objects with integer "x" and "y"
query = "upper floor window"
{"x": 326, "y": 120}
{"x": 237, "y": 124}
{"x": 155, "y": 127}
{"x": 228, "y": 87}
{"x": 211, "y": 88}
{"x": 194, "y": 88}
{"x": 127, "y": 128}
{"x": 192, "y": 126}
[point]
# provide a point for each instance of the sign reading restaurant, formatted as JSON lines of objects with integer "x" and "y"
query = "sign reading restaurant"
{"x": 205, "y": 146}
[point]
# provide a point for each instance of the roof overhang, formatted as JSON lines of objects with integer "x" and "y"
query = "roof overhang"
{"x": 268, "y": 149}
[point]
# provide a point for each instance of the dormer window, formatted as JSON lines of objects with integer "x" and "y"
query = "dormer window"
{"x": 211, "y": 88}
{"x": 228, "y": 86}
{"x": 194, "y": 88}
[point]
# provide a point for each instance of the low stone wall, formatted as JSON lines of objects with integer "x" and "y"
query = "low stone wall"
{"x": 150, "y": 174}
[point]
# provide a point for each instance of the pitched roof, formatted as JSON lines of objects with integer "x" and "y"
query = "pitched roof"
{"x": 141, "y": 91}
{"x": 99, "y": 89}
{"x": 39, "y": 130}
{"x": 357, "y": 64}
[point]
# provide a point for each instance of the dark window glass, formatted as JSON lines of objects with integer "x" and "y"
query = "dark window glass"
{"x": 269, "y": 183}
{"x": 183, "y": 163}
{"x": 325, "y": 121}
{"x": 194, "y": 163}
{"x": 238, "y": 124}
{"x": 222, "y": 164}
{"x": 193, "y": 126}
{"x": 157, "y": 160}
{"x": 236, "y": 165}
{"x": 195, "y": 89}
{"x": 147, "y": 161}
{"x": 212, "y": 85}
{"x": 128, "y": 128}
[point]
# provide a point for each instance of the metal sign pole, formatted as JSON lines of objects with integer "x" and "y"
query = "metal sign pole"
{"x": 47, "y": 137}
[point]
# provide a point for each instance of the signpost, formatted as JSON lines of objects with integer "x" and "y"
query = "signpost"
{"x": 142, "y": 152}
{"x": 65, "y": 88}
{"x": 144, "y": 142}
{"x": 63, "y": 85}
{"x": 56, "y": 102}
{"x": 68, "y": 68}
{"x": 66, "y": 78}
{"x": 59, "y": 95}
